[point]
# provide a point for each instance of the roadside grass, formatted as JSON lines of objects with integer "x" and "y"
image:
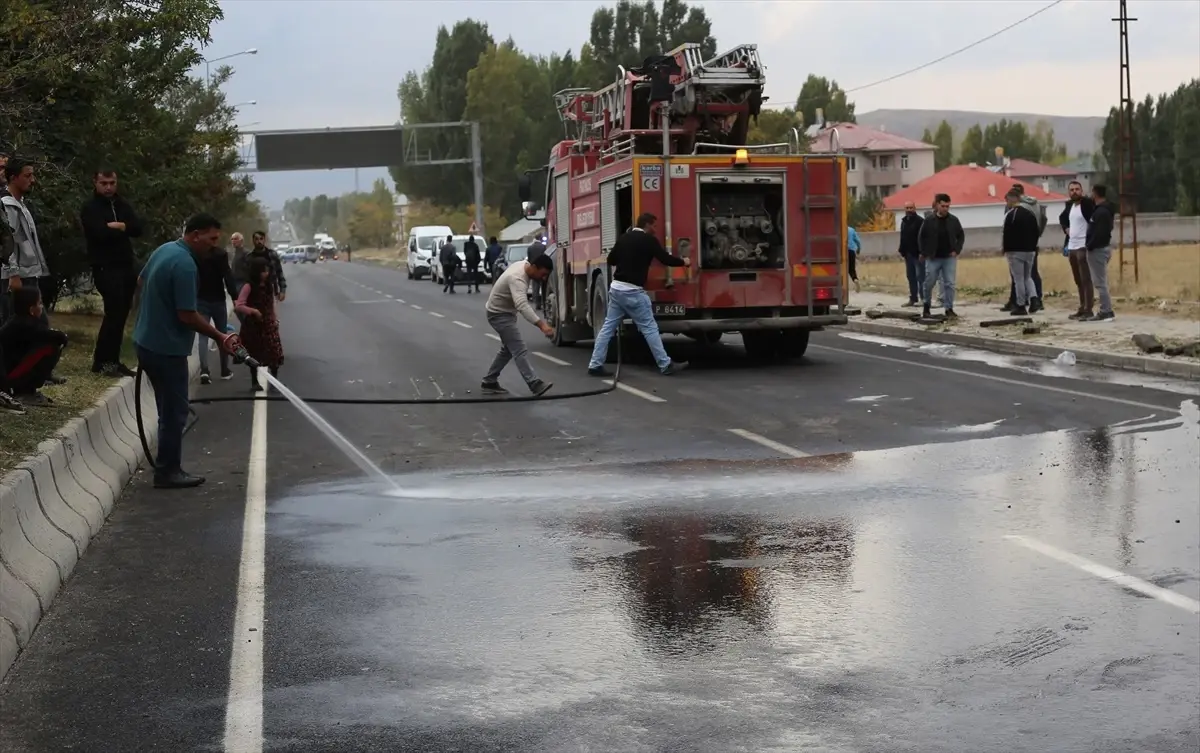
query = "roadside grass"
{"x": 389, "y": 257}
{"x": 1167, "y": 273}
{"x": 20, "y": 435}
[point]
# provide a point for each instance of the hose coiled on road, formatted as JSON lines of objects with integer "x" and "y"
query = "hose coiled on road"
{"x": 491, "y": 400}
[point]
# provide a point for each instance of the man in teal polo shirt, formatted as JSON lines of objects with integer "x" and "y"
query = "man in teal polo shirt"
{"x": 165, "y": 335}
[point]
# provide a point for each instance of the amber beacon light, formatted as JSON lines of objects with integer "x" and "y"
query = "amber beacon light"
{"x": 741, "y": 157}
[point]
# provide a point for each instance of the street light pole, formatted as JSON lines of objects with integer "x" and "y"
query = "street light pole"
{"x": 208, "y": 62}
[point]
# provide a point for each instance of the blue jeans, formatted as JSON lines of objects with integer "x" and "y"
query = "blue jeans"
{"x": 168, "y": 376}
{"x": 947, "y": 270}
{"x": 914, "y": 269}
{"x": 218, "y": 314}
{"x": 637, "y": 306}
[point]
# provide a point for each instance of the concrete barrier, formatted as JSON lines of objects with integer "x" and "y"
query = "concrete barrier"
{"x": 1152, "y": 230}
{"x": 53, "y": 503}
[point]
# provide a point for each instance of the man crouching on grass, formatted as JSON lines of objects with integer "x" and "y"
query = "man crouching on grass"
{"x": 508, "y": 297}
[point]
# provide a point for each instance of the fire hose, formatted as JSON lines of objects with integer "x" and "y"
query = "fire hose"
{"x": 241, "y": 356}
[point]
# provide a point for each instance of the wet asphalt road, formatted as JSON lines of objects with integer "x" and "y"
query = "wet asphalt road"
{"x": 881, "y": 548}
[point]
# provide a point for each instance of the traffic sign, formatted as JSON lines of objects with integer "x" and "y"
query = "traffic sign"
{"x": 473, "y": 229}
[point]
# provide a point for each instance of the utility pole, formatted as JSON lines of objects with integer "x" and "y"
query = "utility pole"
{"x": 434, "y": 151}
{"x": 1126, "y": 185}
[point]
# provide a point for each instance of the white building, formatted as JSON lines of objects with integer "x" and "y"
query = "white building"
{"x": 976, "y": 196}
{"x": 879, "y": 162}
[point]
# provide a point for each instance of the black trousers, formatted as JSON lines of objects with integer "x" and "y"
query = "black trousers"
{"x": 34, "y": 369}
{"x": 473, "y": 276}
{"x": 851, "y": 258}
{"x": 116, "y": 285}
{"x": 448, "y": 271}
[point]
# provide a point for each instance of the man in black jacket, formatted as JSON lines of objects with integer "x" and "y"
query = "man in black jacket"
{"x": 1099, "y": 251}
{"x": 910, "y": 251}
{"x": 1074, "y": 223}
{"x": 448, "y": 258}
{"x": 214, "y": 280}
{"x": 941, "y": 240}
{"x": 631, "y": 256}
{"x": 1019, "y": 241}
{"x": 109, "y": 225}
{"x": 474, "y": 257}
{"x": 278, "y": 281}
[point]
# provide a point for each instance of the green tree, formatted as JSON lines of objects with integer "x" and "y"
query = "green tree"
{"x": 943, "y": 139}
{"x": 1187, "y": 150}
{"x": 773, "y": 127}
{"x": 819, "y": 92}
{"x": 630, "y": 32}
{"x": 372, "y": 218}
{"x": 105, "y": 82}
{"x": 972, "y": 148}
{"x": 864, "y": 210}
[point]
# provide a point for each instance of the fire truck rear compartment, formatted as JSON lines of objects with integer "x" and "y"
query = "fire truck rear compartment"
{"x": 742, "y": 223}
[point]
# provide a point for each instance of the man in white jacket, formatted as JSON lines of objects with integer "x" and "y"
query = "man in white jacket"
{"x": 26, "y": 264}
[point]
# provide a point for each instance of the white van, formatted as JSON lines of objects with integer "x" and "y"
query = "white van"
{"x": 423, "y": 247}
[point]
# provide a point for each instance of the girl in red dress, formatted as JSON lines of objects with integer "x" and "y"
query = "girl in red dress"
{"x": 260, "y": 326}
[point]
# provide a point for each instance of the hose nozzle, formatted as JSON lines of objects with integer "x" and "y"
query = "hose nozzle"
{"x": 241, "y": 355}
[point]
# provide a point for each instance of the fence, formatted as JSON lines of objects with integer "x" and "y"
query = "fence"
{"x": 1152, "y": 229}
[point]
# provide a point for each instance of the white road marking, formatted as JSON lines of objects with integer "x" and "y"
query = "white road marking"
{"x": 400, "y": 300}
{"x": 779, "y": 447}
{"x": 1003, "y": 380}
{"x": 1107, "y": 573}
{"x": 439, "y": 316}
{"x": 418, "y": 308}
{"x": 374, "y": 300}
{"x": 550, "y": 358}
{"x": 244, "y": 705}
{"x": 464, "y": 325}
{"x": 494, "y": 336}
{"x": 635, "y": 391}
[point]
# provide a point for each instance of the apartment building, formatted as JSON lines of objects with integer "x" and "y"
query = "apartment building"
{"x": 879, "y": 163}
{"x": 1052, "y": 179}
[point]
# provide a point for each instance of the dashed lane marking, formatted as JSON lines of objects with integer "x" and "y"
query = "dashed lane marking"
{"x": 636, "y": 392}
{"x": 494, "y": 336}
{"x": 550, "y": 358}
{"x": 464, "y": 325}
{"x": 418, "y": 308}
{"x": 1107, "y": 573}
{"x": 779, "y": 447}
{"x": 373, "y": 300}
{"x": 439, "y": 316}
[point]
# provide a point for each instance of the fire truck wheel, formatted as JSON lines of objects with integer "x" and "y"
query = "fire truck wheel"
{"x": 762, "y": 345}
{"x": 794, "y": 343}
{"x": 712, "y": 338}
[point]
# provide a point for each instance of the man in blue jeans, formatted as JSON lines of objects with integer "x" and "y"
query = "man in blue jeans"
{"x": 941, "y": 240}
{"x": 167, "y": 323}
{"x": 631, "y": 257}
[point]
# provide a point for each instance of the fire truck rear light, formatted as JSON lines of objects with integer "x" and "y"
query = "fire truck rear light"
{"x": 823, "y": 294}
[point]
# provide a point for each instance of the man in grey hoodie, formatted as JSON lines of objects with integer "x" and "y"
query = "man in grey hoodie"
{"x": 1039, "y": 212}
{"x": 26, "y": 264}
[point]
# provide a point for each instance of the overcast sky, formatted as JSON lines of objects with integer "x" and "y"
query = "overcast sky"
{"x": 337, "y": 62}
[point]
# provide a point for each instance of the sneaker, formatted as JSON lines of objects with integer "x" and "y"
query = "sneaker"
{"x": 926, "y": 313}
{"x": 909, "y": 305}
{"x": 9, "y": 404}
{"x": 1018, "y": 311}
{"x": 598, "y": 371}
{"x": 950, "y": 314}
{"x": 1082, "y": 315}
{"x": 539, "y": 387}
{"x": 674, "y": 367}
{"x": 35, "y": 400}
{"x": 177, "y": 480}
{"x": 1008, "y": 307}
{"x": 492, "y": 388}
{"x": 1035, "y": 305}
{"x": 1103, "y": 316}
{"x": 226, "y": 375}
{"x": 205, "y": 378}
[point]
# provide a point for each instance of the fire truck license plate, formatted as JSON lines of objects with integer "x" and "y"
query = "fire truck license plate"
{"x": 668, "y": 309}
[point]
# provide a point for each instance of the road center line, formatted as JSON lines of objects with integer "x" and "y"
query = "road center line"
{"x": 494, "y": 336}
{"x": 635, "y": 391}
{"x": 374, "y": 300}
{"x": 1107, "y": 573}
{"x": 1002, "y": 380}
{"x": 244, "y": 705}
{"x": 418, "y": 308}
{"x": 550, "y": 358}
{"x": 779, "y": 447}
{"x": 439, "y": 316}
{"x": 464, "y": 325}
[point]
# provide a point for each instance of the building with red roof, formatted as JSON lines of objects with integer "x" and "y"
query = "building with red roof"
{"x": 878, "y": 162}
{"x": 976, "y": 195}
{"x": 1049, "y": 178}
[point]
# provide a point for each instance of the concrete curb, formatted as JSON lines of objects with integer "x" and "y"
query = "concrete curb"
{"x": 53, "y": 503}
{"x": 1142, "y": 364}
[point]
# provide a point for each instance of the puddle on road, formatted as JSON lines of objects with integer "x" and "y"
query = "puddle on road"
{"x": 1039, "y": 366}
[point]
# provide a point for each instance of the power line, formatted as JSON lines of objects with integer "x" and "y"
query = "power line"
{"x": 949, "y": 55}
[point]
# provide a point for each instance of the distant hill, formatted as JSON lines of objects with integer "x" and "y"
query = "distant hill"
{"x": 1079, "y": 133}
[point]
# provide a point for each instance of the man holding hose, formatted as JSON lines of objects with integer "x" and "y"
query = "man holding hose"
{"x": 165, "y": 335}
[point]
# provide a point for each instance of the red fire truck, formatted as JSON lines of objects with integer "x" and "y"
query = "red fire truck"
{"x": 762, "y": 227}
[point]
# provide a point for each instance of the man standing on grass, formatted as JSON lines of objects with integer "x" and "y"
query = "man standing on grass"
{"x": 941, "y": 240}
{"x": 1074, "y": 223}
{"x": 1099, "y": 251}
{"x": 165, "y": 335}
{"x": 1031, "y": 205}
{"x": 910, "y": 251}
{"x": 109, "y": 227}
{"x": 26, "y": 265}
{"x": 1019, "y": 243}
